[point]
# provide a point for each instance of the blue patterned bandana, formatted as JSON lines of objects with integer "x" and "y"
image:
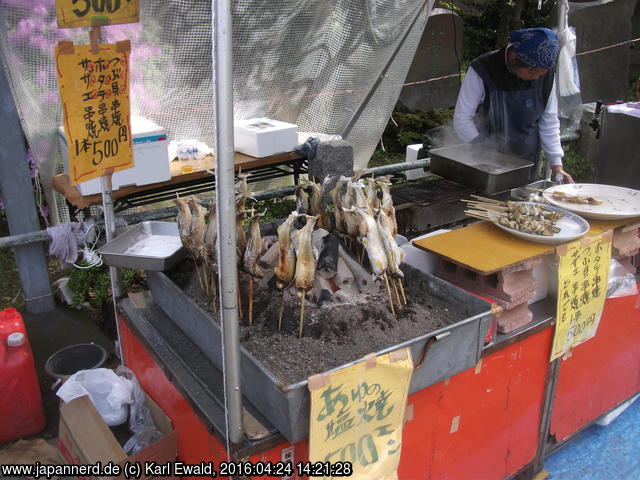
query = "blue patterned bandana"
{"x": 537, "y": 47}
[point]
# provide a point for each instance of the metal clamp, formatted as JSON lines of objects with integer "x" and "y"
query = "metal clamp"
{"x": 427, "y": 346}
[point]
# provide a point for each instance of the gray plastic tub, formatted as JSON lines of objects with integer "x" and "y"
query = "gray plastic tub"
{"x": 450, "y": 350}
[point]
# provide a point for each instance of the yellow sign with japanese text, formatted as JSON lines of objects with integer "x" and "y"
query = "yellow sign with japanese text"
{"x": 93, "y": 13}
{"x": 94, "y": 89}
{"x": 357, "y": 416}
{"x": 583, "y": 272}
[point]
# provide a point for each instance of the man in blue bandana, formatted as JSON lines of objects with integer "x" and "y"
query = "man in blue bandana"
{"x": 508, "y": 101}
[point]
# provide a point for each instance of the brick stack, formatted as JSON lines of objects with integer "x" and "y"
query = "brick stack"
{"x": 511, "y": 288}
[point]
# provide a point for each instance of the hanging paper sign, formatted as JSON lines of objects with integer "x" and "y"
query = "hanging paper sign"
{"x": 94, "y": 89}
{"x": 92, "y": 13}
{"x": 357, "y": 416}
{"x": 582, "y": 288}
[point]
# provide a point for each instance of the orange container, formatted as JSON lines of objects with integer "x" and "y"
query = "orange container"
{"x": 20, "y": 400}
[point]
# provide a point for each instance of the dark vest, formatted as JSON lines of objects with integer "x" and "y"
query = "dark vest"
{"x": 508, "y": 118}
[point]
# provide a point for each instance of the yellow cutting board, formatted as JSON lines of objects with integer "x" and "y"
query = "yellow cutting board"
{"x": 486, "y": 249}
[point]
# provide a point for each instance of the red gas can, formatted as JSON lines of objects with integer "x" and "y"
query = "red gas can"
{"x": 20, "y": 400}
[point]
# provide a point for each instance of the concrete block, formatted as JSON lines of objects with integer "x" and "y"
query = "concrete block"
{"x": 507, "y": 288}
{"x": 334, "y": 157}
{"x": 514, "y": 318}
{"x": 625, "y": 242}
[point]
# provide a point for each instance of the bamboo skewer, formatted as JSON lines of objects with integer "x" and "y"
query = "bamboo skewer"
{"x": 213, "y": 289}
{"x": 239, "y": 299}
{"x": 195, "y": 265}
{"x": 281, "y": 309}
{"x": 404, "y": 298}
{"x": 486, "y": 200}
{"x": 250, "y": 300}
{"x": 395, "y": 288}
{"x": 206, "y": 280}
{"x": 302, "y": 295}
{"x": 386, "y": 281}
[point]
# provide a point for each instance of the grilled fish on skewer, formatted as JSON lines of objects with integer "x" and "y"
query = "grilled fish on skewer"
{"x": 302, "y": 200}
{"x": 184, "y": 222}
{"x": 306, "y": 258}
{"x": 241, "y": 238}
{"x": 286, "y": 267}
{"x": 391, "y": 248}
{"x": 372, "y": 195}
{"x": 351, "y": 221}
{"x": 370, "y": 238}
{"x": 254, "y": 247}
{"x": 198, "y": 228}
{"x": 210, "y": 251}
{"x": 357, "y": 196}
{"x": 287, "y": 256}
{"x": 251, "y": 257}
{"x": 242, "y": 191}
{"x": 387, "y": 204}
{"x": 336, "y": 198}
{"x": 317, "y": 207}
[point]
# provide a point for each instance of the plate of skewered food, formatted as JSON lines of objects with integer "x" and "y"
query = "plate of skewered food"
{"x": 528, "y": 220}
{"x": 602, "y": 202}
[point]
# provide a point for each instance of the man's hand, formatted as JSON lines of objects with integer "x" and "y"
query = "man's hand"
{"x": 566, "y": 178}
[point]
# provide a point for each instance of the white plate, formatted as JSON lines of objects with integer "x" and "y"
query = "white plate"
{"x": 617, "y": 202}
{"x": 571, "y": 226}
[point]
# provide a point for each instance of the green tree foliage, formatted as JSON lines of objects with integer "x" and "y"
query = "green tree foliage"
{"x": 485, "y": 21}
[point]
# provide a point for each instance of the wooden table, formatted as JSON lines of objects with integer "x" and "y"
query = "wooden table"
{"x": 179, "y": 180}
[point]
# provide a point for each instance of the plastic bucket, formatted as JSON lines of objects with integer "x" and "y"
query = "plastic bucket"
{"x": 74, "y": 358}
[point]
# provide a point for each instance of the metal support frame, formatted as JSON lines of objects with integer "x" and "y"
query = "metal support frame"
{"x": 225, "y": 200}
{"x": 22, "y": 216}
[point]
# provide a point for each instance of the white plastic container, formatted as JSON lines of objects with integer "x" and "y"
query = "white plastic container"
{"x": 150, "y": 158}
{"x": 262, "y": 137}
{"x": 411, "y": 155}
{"x": 419, "y": 259}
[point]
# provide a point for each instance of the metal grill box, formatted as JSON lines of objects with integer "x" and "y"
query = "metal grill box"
{"x": 449, "y": 350}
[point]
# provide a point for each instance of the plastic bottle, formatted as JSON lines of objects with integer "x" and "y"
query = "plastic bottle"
{"x": 20, "y": 401}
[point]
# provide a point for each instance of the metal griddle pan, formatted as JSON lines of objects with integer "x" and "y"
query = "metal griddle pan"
{"x": 486, "y": 170}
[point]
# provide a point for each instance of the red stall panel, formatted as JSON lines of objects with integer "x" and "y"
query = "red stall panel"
{"x": 600, "y": 373}
{"x": 195, "y": 443}
{"x": 482, "y": 423}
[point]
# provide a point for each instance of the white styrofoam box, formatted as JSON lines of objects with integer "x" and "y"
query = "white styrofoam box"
{"x": 543, "y": 273}
{"x": 150, "y": 158}
{"x": 261, "y": 137}
{"x": 411, "y": 155}
{"x": 419, "y": 259}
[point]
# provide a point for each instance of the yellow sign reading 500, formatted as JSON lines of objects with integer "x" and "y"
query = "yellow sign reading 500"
{"x": 89, "y": 13}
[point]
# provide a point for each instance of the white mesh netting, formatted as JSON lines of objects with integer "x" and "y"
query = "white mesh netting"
{"x": 309, "y": 62}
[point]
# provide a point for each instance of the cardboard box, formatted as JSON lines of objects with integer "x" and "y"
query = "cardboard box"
{"x": 262, "y": 137}
{"x": 84, "y": 438}
{"x": 150, "y": 158}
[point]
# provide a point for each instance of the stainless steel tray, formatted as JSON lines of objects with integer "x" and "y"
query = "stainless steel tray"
{"x": 154, "y": 246}
{"x": 487, "y": 170}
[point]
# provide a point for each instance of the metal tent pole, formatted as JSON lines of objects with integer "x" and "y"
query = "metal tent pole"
{"x": 225, "y": 199}
{"x": 563, "y": 6}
